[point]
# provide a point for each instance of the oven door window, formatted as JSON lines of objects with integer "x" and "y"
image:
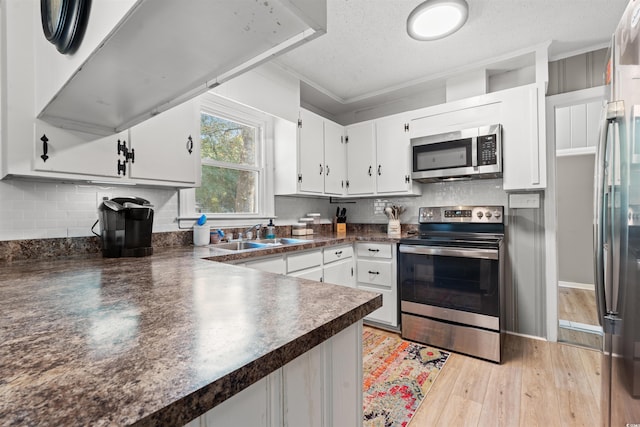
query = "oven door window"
{"x": 467, "y": 284}
{"x": 442, "y": 155}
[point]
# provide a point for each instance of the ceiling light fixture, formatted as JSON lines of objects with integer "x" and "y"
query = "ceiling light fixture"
{"x": 435, "y": 19}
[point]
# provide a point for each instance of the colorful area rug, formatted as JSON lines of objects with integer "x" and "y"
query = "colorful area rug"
{"x": 397, "y": 376}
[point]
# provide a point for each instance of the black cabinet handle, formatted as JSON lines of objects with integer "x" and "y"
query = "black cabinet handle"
{"x": 374, "y": 250}
{"x": 190, "y": 144}
{"x": 374, "y": 272}
{"x": 45, "y": 147}
{"x": 327, "y": 166}
{"x": 369, "y": 171}
{"x": 379, "y": 170}
{"x": 338, "y": 253}
{"x": 321, "y": 170}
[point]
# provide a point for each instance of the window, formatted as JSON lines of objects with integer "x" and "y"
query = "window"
{"x": 235, "y": 149}
{"x": 230, "y": 167}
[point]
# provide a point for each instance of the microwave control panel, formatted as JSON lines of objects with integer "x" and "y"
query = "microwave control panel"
{"x": 487, "y": 150}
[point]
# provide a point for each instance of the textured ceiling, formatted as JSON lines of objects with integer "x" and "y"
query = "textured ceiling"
{"x": 367, "y": 52}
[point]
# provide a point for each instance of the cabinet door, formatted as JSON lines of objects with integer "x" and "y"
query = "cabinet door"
{"x": 393, "y": 171}
{"x": 76, "y": 152}
{"x": 523, "y": 148}
{"x": 167, "y": 146}
{"x": 340, "y": 273}
{"x": 361, "y": 158}
{"x": 311, "y": 161}
{"x": 388, "y": 313}
{"x": 335, "y": 158}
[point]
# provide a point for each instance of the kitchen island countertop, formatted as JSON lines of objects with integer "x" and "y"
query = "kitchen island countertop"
{"x": 154, "y": 340}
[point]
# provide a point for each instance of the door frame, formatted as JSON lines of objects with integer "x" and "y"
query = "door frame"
{"x": 551, "y": 210}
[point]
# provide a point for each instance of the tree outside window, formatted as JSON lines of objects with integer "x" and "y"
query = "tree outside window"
{"x": 230, "y": 166}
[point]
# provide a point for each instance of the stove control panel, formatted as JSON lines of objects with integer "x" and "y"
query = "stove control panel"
{"x": 474, "y": 214}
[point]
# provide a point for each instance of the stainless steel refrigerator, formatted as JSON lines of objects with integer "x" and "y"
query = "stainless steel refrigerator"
{"x": 617, "y": 225}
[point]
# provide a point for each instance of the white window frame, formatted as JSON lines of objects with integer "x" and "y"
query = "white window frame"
{"x": 219, "y": 106}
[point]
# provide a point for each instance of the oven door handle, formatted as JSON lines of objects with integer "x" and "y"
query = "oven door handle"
{"x": 446, "y": 251}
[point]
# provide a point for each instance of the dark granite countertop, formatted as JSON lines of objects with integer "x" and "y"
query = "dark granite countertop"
{"x": 156, "y": 340}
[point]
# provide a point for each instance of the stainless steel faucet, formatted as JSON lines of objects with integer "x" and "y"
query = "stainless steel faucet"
{"x": 248, "y": 232}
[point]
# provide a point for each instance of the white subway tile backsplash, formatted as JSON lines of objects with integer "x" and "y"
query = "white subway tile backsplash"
{"x": 40, "y": 209}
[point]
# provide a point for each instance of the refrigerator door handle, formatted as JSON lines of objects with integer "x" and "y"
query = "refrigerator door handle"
{"x": 598, "y": 214}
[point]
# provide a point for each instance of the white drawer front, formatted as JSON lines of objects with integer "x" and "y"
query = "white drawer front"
{"x": 388, "y": 313}
{"x": 337, "y": 253}
{"x": 374, "y": 250}
{"x": 304, "y": 260}
{"x": 375, "y": 272}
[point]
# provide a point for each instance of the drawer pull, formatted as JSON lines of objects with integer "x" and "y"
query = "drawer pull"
{"x": 338, "y": 253}
{"x": 374, "y": 272}
{"x": 374, "y": 250}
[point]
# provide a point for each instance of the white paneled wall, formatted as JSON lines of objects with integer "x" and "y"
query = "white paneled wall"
{"x": 38, "y": 209}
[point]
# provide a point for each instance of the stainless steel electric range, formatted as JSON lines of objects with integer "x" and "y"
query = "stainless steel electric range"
{"x": 451, "y": 280}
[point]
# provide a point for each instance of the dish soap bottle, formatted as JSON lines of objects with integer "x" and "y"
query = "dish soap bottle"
{"x": 271, "y": 230}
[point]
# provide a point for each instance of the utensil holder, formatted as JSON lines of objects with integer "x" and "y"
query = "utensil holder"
{"x": 393, "y": 228}
{"x": 201, "y": 235}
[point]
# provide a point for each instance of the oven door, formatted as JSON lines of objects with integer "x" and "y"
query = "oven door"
{"x": 464, "y": 279}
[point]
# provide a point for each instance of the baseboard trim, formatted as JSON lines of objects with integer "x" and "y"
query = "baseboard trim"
{"x": 576, "y": 285}
{"x": 533, "y": 337}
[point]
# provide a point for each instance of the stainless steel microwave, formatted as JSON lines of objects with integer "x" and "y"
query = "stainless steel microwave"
{"x": 464, "y": 154}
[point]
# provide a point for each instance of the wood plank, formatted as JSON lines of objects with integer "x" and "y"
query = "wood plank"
{"x": 539, "y": 404}
{"x": 502, "y": 401}
{"x": 576, "y": 403}
{"x": 591, "y": 360}
{"x": 434, "y": 403}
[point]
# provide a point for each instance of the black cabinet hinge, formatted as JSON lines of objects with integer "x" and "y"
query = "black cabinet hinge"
{"x": 299, "y": 177}
{"x": 122, "y": 167}
{"x": 299, "y": 123}
{"x": 128, "y": 154}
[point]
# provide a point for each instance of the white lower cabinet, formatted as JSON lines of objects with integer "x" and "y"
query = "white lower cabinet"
{"x": 376, "y": 266}
{"x": 274, "y": 264}
{"x": 314, "y": 273}
{"x": 338, "y": 265}
{"x": 322, "y": 387}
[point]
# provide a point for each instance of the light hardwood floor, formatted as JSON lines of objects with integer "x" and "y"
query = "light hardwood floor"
{"x": 577, "y": 305}
{"x": 538, "y": 384}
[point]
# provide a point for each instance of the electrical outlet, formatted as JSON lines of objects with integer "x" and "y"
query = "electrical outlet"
{"x": 101, "y": 196}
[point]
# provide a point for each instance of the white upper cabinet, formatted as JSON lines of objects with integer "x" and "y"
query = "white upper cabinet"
{"x": 378, "y": 156}
{"x": 167, "y": 147}
{"x": 164, "y": 150}
{"x": 393, "y": 152}
{"x": 161, "y": 53}
{"x": 523, "y": 136}
{"x": 335, "y": 162}
{"x": 361, "y": 158}
{"x": 312, "y": 161}
{"x": 61, "y": 151}
{"x": 311, "y": 157}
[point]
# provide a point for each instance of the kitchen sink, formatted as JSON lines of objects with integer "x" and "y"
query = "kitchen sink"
{"x": 282, "y": 241}
{"x": 239, "y": 246}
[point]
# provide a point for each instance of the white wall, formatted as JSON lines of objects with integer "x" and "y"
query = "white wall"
{"x": 39, "y": 209}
